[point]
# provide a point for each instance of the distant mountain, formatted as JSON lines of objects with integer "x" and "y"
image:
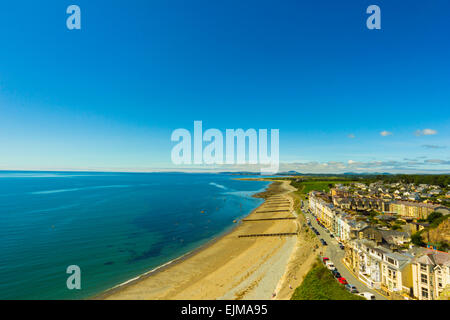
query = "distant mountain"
{"x": 243, "y": 173}
{"x": 290, "y": 173}
{"x": 296, "y": 173}
{"x": 366, "y": 173}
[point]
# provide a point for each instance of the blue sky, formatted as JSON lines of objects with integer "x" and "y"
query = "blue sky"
{"x": 108, "y": 96}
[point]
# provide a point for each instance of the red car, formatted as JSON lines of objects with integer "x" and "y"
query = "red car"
{"x": 343, "y": 281}
{"x": 325, "y": 259}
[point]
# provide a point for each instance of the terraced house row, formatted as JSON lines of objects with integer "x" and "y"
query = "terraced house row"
{"x": 384, "y": 259}
{"x": 416, "y": 273}
{"x": 343, "y": 199}
{"x": 343, "y": 225}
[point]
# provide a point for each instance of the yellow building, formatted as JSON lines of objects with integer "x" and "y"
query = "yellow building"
{"x": 381, "y": 268}
{"x": 397, "y": 274}
{"x": 412, "y": 209}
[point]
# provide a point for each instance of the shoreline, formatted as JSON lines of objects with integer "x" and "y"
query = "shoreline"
{"x": 182, "y": 278}
{"x": 181, "y": 258}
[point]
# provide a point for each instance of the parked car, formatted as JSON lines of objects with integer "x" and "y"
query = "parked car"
{"x": 330, "y": 266}
{"x": 323, "y": 242}
{"x": 342, "y": 280}
{"x": 325, "y": 259}
{"x": 335, "y": 271}
{"x": 341, "y": 246}
{"x": 337, "y": 275}
{"x": 367, "y": 295}
{"x": 331, "y": 235}
{"x": 351, "y": 288}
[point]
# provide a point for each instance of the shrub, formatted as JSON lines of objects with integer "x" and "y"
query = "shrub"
{"x": 416, "y": 238}
{"x": 319, "y": 284}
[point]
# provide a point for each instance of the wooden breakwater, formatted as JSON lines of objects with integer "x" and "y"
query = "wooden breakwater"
{"x": 268, "y": 235}
{"x": 272, "y": 211}
{"x": 266, "y": 219}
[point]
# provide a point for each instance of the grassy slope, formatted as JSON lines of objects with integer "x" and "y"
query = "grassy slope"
{"x": 319, "y": 284}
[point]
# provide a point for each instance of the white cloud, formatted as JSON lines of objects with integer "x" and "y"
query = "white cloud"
{"x": 406, "y": 166}
{"x": 438, "y": 161}
{"x": 385, "y": 133}
{"x": 433, "y": 146}
{"x": 370, "y": 166}
{"x": 425, "y": 132}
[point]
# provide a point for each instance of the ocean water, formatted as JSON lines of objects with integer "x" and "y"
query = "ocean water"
{"x": 114, "y": 226}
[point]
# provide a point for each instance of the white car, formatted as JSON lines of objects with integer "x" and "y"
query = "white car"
{"x": 367, "y": 295}
{"x": 329, "y": 264}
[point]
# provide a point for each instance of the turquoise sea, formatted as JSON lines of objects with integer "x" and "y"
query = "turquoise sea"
{"x": 114, "y": 226}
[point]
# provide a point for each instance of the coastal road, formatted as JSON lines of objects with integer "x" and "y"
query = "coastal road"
{"x": 336, "y": 255}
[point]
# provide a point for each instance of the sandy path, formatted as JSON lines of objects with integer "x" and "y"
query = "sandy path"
{"x": 301, "y": 260}
{"x": 231, "y": 267}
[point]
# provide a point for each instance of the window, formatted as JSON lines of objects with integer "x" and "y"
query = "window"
{"x": 391, "y": 274}
{"x": 425, "y": 293}
{"x": 423, "y": 267}
{"x": 424, "y": 278}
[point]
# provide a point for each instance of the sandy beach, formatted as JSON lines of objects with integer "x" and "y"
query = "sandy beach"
{"x": 235, "y": 267}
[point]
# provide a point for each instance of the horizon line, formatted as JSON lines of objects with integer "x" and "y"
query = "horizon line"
{"x": 287, "y": 173}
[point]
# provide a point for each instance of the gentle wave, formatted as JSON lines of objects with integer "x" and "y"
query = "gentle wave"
{"x": 44, "y": 175}
{"x": 78, "y": 189}
{"x": 54, "y": 209}
{"x": 218, "y": 185}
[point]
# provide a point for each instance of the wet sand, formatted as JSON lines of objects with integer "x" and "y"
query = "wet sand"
{"x": 230, "y": 267}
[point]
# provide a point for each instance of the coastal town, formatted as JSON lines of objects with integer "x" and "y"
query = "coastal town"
{"x": 318, "y": 238}
{"x": 393, "y": 238}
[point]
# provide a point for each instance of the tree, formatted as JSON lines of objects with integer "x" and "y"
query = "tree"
{"x": 416, "y": 239}
{"x": 433, "y": 216}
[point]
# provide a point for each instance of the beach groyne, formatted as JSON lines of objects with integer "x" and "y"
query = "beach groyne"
{"x": 231, "y": 267}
